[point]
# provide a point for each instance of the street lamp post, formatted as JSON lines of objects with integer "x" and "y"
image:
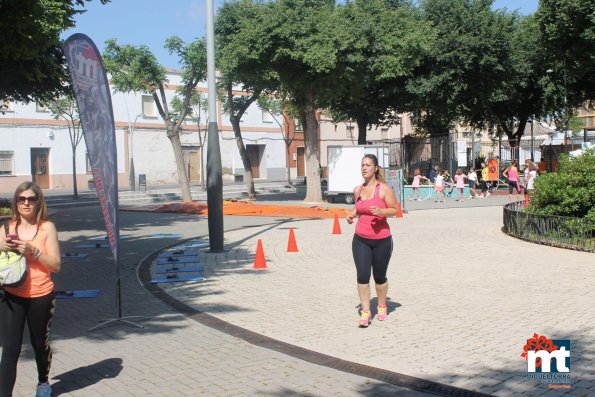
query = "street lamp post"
{"x": 132, "y": 179}
{"x": 214, "y": 168}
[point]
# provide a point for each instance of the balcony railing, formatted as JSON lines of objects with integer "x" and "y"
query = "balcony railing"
{"x": 559, "y": 231}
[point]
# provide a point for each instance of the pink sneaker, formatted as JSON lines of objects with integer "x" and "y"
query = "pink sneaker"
{"x": 365, "y": 318}
{"x": 382, "y": 313}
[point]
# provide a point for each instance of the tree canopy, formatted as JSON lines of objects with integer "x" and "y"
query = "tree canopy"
{"x": 135, "y": 68}
{"x": 31, "y": 59}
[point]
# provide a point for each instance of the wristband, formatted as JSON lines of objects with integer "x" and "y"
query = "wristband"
{"x": 37, "y": 253}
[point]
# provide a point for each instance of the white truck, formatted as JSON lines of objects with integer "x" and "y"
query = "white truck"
{"x": 344, "y": 169}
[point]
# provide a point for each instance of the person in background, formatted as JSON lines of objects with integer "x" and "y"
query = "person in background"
{"x": 372, "y": 243}
{"x": 433, "y": 172}
{"x": 449, "y": 183}
{"x": 472, "y": 177}
{"x": 485, "y": 191}
{"x": 530, "y": 180}
{"x": 417, "y": 178}
{"x": 512, "y": 174}
{"x": 460, "y": 183}
{"x": 439, "y": 187}
{"x": 32, "y": 302}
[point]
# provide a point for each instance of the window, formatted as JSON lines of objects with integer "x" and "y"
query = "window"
{"x": 350, "y": 130}
{"x": 149, "y": 106}
{"x": 298, "y": 125}
{"x": 384, "y": 133}
{"x": 266, "y": 116}
{"x": 5, "y": 106}
{"x": 6, "y": 163}
{"x": 40, "y": 108}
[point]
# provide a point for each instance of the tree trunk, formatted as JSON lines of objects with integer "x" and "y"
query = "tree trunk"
{"x": 314, "y": 190}
{"x": 181, "y": 167}
{"x": 75, "y": 192}
{"x": 248, "y": 178}
{"x": 287, "y": 156}
{"x": 362, "y": 131}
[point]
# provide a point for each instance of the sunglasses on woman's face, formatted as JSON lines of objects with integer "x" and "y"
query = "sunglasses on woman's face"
{"x": 30, "y": 199}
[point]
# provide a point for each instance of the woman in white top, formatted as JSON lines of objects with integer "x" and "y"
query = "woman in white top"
{"x": 530, "y": 179}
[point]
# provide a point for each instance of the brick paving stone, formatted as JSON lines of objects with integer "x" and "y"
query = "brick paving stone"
{"x": 454, "y": 315}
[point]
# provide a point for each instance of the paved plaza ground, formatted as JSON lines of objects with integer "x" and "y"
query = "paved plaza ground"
{"x": 464, "y": 298}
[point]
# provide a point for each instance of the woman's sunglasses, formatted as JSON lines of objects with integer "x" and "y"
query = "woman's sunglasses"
{"x": 30, "y": 199}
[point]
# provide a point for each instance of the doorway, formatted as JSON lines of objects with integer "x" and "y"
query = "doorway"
{"x": 301, "y": 165}
{"x": 194, "y": 166}
{"x": 253, "y": 152}
{"x": 40, "y": 167}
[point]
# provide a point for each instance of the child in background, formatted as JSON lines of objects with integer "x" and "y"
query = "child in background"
{"x": 472, "y": 178}
{"x": 449, "y": 184}
{"x": 460, "y": 182}
{"x": 417, "y": 178}
{"x": 439, "y": 187}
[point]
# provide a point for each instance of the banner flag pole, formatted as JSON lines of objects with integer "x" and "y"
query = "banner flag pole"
{"x": 92, "y": 94}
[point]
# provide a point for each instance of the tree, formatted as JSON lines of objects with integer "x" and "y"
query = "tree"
{"x": 241, "y": 63}
{"x": 519, "y": 95}
{"x": 66, "y": 108}
{"x": 456, "y": 80}
{"x": 386, "y": 40}
{"x": 31, "y": 59}
{"x": 275, "y": 106}
{"x": 199, "y": 104}
{"x": 568, "y": 32}
{"x": 136, "y": 69}
{"x": 303, "y": 47}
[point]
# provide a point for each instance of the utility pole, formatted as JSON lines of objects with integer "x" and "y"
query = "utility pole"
{"x": 214, "y": 171}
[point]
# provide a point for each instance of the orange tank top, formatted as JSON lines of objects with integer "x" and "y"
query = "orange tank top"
{"x": 38, "y": 281}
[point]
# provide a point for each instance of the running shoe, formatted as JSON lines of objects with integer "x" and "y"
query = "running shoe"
{"x": 44, "y": 390}
{"x": 365, "y": 318}
{"x": 382, "y": 313}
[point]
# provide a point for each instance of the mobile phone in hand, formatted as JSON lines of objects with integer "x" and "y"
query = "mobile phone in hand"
{"x": 11, "y": 237}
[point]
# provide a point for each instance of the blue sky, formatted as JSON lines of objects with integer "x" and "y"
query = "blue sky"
{"x": 151, "y": 22}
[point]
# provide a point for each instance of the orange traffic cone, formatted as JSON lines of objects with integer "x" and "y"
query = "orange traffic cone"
{"x": 399, "y": 210}
{"x": 259, "y": 261}
{"x": 526, "y": 200}
{"x": 336, "y": 225}
{"x": 291, "y": 243}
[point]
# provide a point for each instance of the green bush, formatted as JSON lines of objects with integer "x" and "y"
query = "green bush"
{"x": 4, "y": 207}
{"x": 568, "y": 192}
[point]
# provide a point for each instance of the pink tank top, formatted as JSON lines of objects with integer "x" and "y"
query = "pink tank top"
{"x": 38, "y": 281}
{"x": 512, "y": 175}
{"x": 370, "y": 226}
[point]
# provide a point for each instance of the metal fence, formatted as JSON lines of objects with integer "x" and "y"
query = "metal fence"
{"x": 410, "y": 153}
{"x": 559, "y": 231}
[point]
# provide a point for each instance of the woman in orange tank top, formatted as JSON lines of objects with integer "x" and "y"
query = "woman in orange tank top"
{"x": 32, "y": 302}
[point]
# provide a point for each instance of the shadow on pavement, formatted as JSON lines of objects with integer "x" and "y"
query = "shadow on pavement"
{"x": 79, "y": 378}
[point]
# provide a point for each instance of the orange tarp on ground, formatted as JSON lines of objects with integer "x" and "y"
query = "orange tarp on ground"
{"x": 247, "y": 208}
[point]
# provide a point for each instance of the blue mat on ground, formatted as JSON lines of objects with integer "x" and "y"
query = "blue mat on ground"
{"x": 73, "y": 255}
{"x": 105, "y": 238}
{"x": 165, "y": 235}
{"x": 192, "y": 245}
{"x": 176, "y": 277}
{"x": 178, "y": 254}
{"x": 179, "y": 269}
{"x": 199, "y": 240}
{"x": 89, "y": 293}
{"x": 184, "y": 259}
{"x": 92, "y": 245}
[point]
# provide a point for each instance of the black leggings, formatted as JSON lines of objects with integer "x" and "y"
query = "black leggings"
{"x": 38, "y": 313}
{"x": 371, "y": 256}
